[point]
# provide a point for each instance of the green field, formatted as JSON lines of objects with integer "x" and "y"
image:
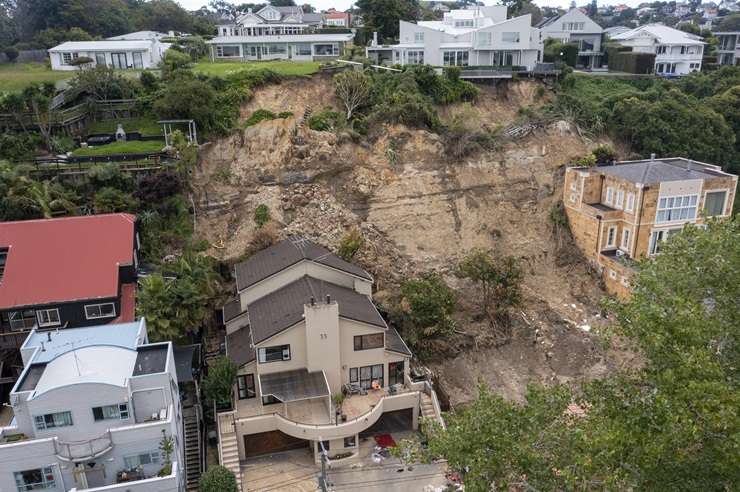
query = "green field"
{"x": 14, "y": 77}
{"x": 145, "y": 126}
{"x": 283, "y": 67}
{"x": 130, "y": 147}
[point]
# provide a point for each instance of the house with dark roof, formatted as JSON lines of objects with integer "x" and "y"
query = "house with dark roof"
{"x": 66, "y": 272}
{"x": 304, "y": 328}
{"x": 576, "y": 27}
{"x": 278, "y": 33}
{"x": 623, "y": 211}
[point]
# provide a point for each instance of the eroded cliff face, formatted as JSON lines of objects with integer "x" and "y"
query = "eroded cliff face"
{"x": 421, "y": 209}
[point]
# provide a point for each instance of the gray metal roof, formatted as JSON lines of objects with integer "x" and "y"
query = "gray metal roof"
{"x": 395, "y": 343}
{"x": 279, "y": 310}
{"x": 184, "y": 362}
{"x": 232, "y": 309}
{"x": 239, "y": 347}
{"x": 660, "y": 170}
{"x": 286, "y": 253}
{"x": 298, "y": 384}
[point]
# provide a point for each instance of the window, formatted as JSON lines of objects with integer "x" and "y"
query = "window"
{"x": 138, "y": 61}
{"x": 53, "y": 420}
{"x": 95, "y": 311}
{"x": 395, "y": 372}
{"x": 657, "y": 237}
{"x": 415, "y": 57}
{"x": 418, "y": 37}
{"x": 611, "y": 236}
{"x": 326, "y": 50}
{"x": 573, "y": 26}
{"x": 573, "y": 198}
{"x": 464, "y": 23}
{"x": 118, "y": 60}
{"x": 68, "y": 57}
{"x": 366, "y": 375}
{"x": 100, "y": 59}
{"x": 660, "y": 50}
{"x": 276, "y": 49}
{"x": 484, "y": 39}
{"x": 111, "y": 412}
{"x": 22, "y": 320}
{"x": 673, "y": 208}
{"x": 227, "y": 51}
{"x": 510, "y": 37}
{"x": 272, "y": 354}
{"x": 455, "y": 58}
{"x": 626, "y": 238}
{"x": 609, "y": 195}
{"x": 365, "y": 342}
{"x": 630, "y": 202}
{"x": 245, "y": 386}
{"x": 303, "y": 50}
{"x": 48, "y": 317}
{"x": 40, "y": 478}
{"x": 714, "y": 203}
{"x": 350, "y": 442}
{"x": 136, "y": 460}
{"x": 620, "y": 199}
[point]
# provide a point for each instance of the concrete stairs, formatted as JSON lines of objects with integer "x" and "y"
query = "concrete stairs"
{"x": 230, "y": 455}
{"x": 192, "y": 453}
{"x": 427, "y": 407}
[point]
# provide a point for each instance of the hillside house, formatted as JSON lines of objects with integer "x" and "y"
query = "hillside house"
{"x": 676, "y": 52}
{"x": 334, "y": 18}
{"x": 302, "y": 329}
{"x": 728, "y": 47}
{"x": 576, "y": 27}
{"x": 66, "y": 272}
{"x": 90, "y": 412}
{"x": 277, "y": 33}
{"x": 626, "y": 210}
{"x": 139, "y": 50}
{"x": 475, "y": 36}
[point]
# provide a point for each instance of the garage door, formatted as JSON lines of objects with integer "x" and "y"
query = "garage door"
{"x": 271, "y": 442}
{"x": 396, "y": 421}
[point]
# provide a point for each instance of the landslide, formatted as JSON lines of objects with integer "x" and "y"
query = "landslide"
{"x": 421, "y": 209}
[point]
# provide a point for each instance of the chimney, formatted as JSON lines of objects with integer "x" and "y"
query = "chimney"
{"x": 652, "y": 156}
{"x": 375, "y": 38}
{"x": 48, "y": 336}
{"x": 328, "y": 299}
{"x": 313, "y": 301}
{"x": 688, "y": 165}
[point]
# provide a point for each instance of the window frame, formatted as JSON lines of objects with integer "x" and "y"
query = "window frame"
{"x": 98, "y": 62}
{"x": 367, "y": 382}
{"x": 40, "y": 421}
{"x": 626, "y": 241}
{"x": 658, "y": 236}
{"x": 516, "y": 34}
{"x": 100, "y": 316}
{"x": 362, "y": 343}
{"x": 155, "y": 457}
{"x": 419, "y": 37}
{"x": 242, "y": 384}
{"x": 669, "y": 210}
{"x": 724, "y": 202}
{"x": 619, "y": 203}
{"x": 393, "y": 372}
{"x": 350, "y": 441}
{"x": 611, "y": 236}
{"x": 122, "y": 411}
{"x": 609, "y": 198}
{"x": 45, "y": 483}
{"x": 630, "y": 203}
{"x": 40, "y": 313}
{"x": 262, "y": 353}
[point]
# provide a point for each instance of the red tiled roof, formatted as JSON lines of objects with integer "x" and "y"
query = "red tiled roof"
{"x": 128, "y": 304}
{"x": 66, "y": 259}
{"x": 337, "y": 15}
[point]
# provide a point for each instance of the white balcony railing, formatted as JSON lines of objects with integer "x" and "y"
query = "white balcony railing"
{"x": 83, "y": 450}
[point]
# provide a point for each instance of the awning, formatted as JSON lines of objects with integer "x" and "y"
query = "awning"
{"x": 298, "y": 384}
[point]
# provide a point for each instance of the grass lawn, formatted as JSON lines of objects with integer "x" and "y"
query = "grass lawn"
{"x": 145, "y": 126}
{"x": 14, "y": 77}
{"x": 283, "y": 67}
{"x": 130, "y": 147}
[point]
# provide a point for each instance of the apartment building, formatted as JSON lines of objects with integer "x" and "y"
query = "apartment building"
{"x": 625, "y": 211}
{"x": 66, "y": 272}
{"x": 302, "y": 330}
{"x": 277, "y": 33}
{"x": 728, "y": 47}
{"x": 473, "y": 36}
{"x": 91, "y": 411}
{"x": 576, "y": 27}
{"x": 676, "y": 52}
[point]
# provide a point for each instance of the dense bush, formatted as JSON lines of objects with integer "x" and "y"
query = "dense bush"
{"x": 424, "y": 307}
{"x": 11, "y": 53}
{"x": 261, "y": 215}
{"x": 17, "y": 146}
{"x": 557, "y": 51}
{"x": 186, "y": 97}
{"x": 110, "y": 200}
{"x": 265, "y": 115}
{"x": 351, "y": 244}
{"x": 218, "y": 479}
{"x": 325, "y": 121}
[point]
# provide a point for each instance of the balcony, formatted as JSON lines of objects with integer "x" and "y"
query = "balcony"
{"x": 605, "y": 212}
{"x": 83, "y": 450}
{"x": 141, "y": 484}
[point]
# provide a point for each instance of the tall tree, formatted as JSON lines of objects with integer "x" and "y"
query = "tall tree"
{"x": 383, "y": 15}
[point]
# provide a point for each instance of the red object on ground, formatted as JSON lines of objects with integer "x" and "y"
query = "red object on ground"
{"x": 65, "y": 259}
{"x": 385, "y": 441}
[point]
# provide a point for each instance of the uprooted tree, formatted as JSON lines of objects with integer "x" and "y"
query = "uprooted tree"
{"x": 354, "y": 89}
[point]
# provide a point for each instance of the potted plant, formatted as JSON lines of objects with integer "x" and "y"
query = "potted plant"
{"x": 338, "y": 399}
{"x": 167, "y": 446}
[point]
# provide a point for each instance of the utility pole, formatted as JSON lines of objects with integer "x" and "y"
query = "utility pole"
{"x": 323, "y": 482}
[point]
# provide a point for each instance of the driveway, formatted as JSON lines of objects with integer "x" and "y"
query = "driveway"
{"x": 295, "y": 471}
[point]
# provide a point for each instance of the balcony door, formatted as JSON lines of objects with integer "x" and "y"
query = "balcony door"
{"x": 118, "y": 60}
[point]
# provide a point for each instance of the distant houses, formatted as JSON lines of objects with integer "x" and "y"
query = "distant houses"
{"x": 676, "y": 52}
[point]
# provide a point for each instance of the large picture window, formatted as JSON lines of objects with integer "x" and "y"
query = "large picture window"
{"x": 111, "y": 412}
{"x": 136, "y": 460}
{"x": 100, "y": 59}
{"x": 326, "y": 50}
{"x": 674, "y": 208}
{"x": 274, "y": 354}
{"x": 658, "y": 237}
{"x": 303, "y": 50}
{"x": 395, "y": 373}
{"x": 105, "y": 310}
{"x": 53, "y": 420}
{"x": 366, "y": 375}
{"x": 37, "y": 479}
{"x": 372, "y": 341}
{"x": 714, "y": 203}
{"x": 245, "y": 386}
{"x": 510, "y": 37}
{"x": 415, "y": 57}
{"x": 455, "y": 58}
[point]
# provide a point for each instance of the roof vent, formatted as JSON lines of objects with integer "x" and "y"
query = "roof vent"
{"x": 48, "y": 336}
{"x": 328, "y": 299}
{"x": 43, "y": 349}
{"x": 313, "y": 301}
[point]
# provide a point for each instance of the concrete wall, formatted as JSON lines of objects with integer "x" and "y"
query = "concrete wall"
{"x": 323, "y": 342}
{"x": 296, "y": 338}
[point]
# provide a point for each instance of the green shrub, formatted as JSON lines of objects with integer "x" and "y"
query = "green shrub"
{"x": 588, "y": 160}
{"x": 325, "y": 121}
{"x": 350, "y": 244}
{"x": 260, "y": 115}
{"x": 261, "y": 215}
{"x": 111, "y": 200}
{"x": 218, "y": 479}
{"x": 11, "y": 53}
{"x": 604, "y": 154}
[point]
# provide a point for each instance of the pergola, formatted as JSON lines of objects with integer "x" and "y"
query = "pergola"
{"x": 167, "y": 127}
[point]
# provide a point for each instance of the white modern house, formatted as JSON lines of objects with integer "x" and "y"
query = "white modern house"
{"x": 576, "y": 27}
{"x": 277, "y": 33}
{"x": 476, "y": 36}
{"x": 302, "y": 330}
{"x": 676, "y": 52}
{"x": 90, "y": 412}
{"x": 139, "y": 50}
{"x": 728, "y": 47}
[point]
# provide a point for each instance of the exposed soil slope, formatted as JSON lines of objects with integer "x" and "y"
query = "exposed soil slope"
{"x": 419, "y": 209}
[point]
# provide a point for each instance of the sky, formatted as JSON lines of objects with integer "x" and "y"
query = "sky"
{"x": 345, "y": 4}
